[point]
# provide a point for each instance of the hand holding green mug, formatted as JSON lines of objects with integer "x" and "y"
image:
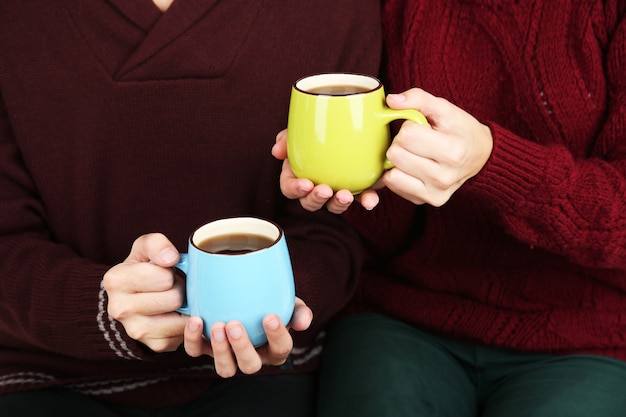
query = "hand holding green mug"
{"x": 339, "y": 130}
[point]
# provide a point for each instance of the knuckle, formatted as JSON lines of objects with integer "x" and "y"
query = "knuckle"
{"x": 162, "y": 345}
{"x": 393, "y": 151}
{"x": 194, "y": 353}
{"x": 140, "y": 329}
{"x": 111, "y": 281}
{"x": 139, "y": 242}
{"x": 407, "y": 134}
{"x": 446, "y": 180}
{"x": 139, "y": 334}
{"x": 170, "y": 300}
{"x": 115, "y": 311}
{"x": 438, "y": 200}
{"x": 457, "y": 155}
{"x": 250, "y": 368}
{"x": 278, "y": 360}
{"x": 147, "y": 240}
{"x": 118, "y": 310}
{"x": 227, "y": 372}
{"x": 282, "y": 353}
{"x": 309, "y": 205}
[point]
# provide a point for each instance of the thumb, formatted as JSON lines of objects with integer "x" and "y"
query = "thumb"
{"x": 416, "y": 98}
{"x": 279, "y": 150}
{"x": 155, "y": 248}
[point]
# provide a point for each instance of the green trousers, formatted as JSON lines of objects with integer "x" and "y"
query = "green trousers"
{"x": 377, "y": 366}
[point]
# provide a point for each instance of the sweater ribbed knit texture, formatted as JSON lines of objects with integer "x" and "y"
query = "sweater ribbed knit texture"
{"x": 116, "y": 121}
{"x": 530, "y": 254}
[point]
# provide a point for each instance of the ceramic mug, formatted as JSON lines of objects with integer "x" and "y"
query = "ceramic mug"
{"x": 338, "y": 130}
{"x": 238, "y": 268}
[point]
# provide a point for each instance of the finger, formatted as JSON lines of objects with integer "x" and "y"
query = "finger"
{"x": 279, "y": 150}
{"x": 162, "y": 345}
{"x": 340, "y": 202}
{"x": 142, "y": 289}
{"x": 153, "y": 247}
{"x": 291, "y": 186}
{"x": 302, "y": 316}
{"x": 317, "y": 198}
{"x": 408, "y": 187}
{"x": 414, "y": 165}
{"x": 427, "y": 143}
{"x": 225, "y": 364}
{"x": 142, "y": 277}
{"x": 144, "y": 304}
{"x": 195, "y": 342}
{"x": 248, "y": 360}
{"x": 418, "y": 151}
{"x": 163, "y": 332}
{"x": 426, "y": 163}
{"x": 431, "y": 106}
{"x": 279, "y": 341}
{"x": 193, "y": 337}
{"x": 369, "y": 199}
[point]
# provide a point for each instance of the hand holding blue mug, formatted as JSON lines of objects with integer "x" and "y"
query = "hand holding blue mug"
{"x": 238, "y": 268}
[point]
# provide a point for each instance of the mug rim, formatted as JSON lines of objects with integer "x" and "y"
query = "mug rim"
{"x": 277, "y": 236}
{"x": 336, "y": 76}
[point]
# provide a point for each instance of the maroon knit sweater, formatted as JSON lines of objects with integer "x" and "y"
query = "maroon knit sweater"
{"x": 531, "y": 253}
{"x": 116, "y": 121}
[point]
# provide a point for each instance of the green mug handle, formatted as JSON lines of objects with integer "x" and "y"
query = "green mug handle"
{"x": 388, "y": 115}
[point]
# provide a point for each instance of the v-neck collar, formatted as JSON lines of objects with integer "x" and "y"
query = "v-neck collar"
{"x": 161, "y": 28}
{"x": 142, "y": 13}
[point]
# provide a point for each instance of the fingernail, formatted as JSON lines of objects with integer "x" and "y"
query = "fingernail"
{"x": 234, "y": 332}
{"x": 218, "y": 335}
{"x": 193, "y": 326}
{"x": 397, "y": 97}
{"x": 272, "y": 324}
{"x": 168, "y": 255}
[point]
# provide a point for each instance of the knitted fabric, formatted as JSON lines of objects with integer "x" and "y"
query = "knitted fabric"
{"x": 530, "y": 254}
{"x": 116, "y": 121}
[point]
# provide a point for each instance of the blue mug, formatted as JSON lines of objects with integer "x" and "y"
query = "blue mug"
{"x": 238, "y": 268}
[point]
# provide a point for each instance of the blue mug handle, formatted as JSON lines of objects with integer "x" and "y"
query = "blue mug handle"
{"x": 183, "y": 265}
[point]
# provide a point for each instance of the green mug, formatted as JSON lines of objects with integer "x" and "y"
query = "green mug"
{"x": 338, "y": 130}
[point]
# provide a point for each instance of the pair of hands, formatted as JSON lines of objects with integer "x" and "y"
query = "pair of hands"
{"x": 144, "y": 294}
{"x": 431, "y": 162}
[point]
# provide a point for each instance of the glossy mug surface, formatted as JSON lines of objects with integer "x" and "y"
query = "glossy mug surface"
{"x": 243, "y": 273}
{"x": 338, "y": 130}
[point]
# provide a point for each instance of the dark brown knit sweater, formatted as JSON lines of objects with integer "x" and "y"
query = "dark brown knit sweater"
{"x": 117, "y": 120}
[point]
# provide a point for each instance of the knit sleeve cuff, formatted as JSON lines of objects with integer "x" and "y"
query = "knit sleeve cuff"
{"x": 518, "y": 172}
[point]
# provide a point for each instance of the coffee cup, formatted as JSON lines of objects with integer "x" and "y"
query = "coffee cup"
{"x": 338, "y": 129}
{"x": 238, "y": 268}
